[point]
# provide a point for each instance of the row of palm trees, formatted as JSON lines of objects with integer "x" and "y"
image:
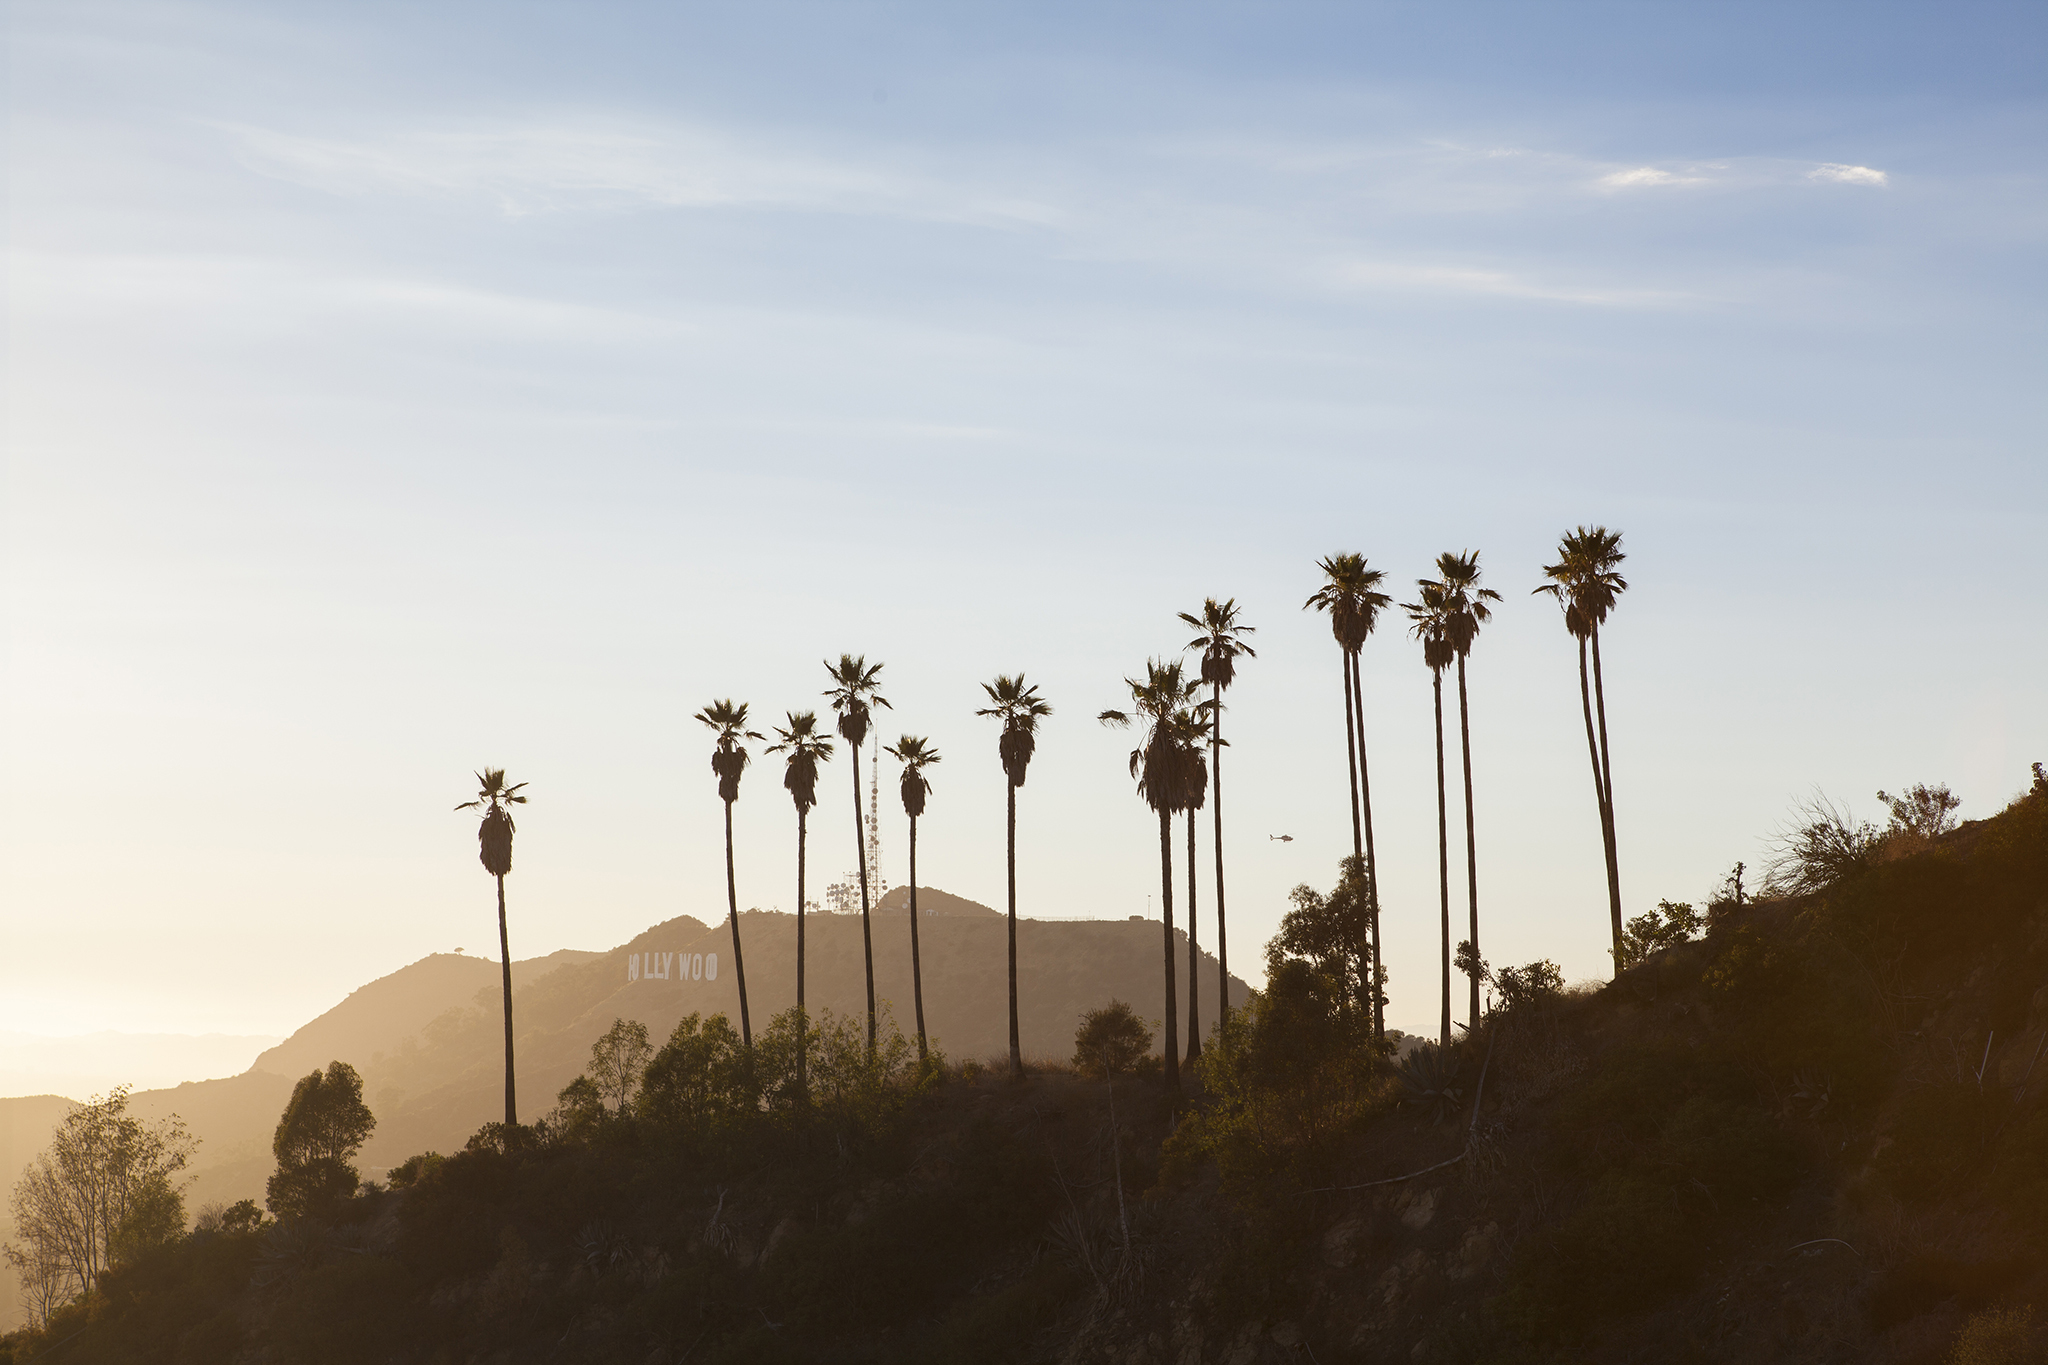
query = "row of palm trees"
{"x": 1177, "y": 767}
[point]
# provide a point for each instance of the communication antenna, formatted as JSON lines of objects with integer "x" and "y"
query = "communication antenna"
{"x": 877, "y": 884}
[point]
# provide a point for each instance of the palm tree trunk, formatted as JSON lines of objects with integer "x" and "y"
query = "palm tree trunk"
{"x": 1216, "y": 771}
{"x": 1016, "y": 1052}
{"x": 867, "y": 943}
{"x": 1351, "y": 759}
{"x": 1166, "y": 922}
{"x": 916, "y": 963}
{"x": 1471, "y": 848}
{"x": 1600, "y": 805}
{"x": 802, "y": 1032}
{"x": 1607, "y": 795}
{"x": 1443, "y": 851}
{"x": 1194, "y": 954}
{"x": 505, "y": 959}
{"x": 1372, "y": 866}
{"x": 732, "y": 911}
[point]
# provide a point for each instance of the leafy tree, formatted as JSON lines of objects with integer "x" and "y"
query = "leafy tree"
{"x": 855, "y": 692}
{"x": 1221, "y": 639}
{"x": 494, "y": 840}
{"x": 1431, "y": 627}
{"x": 1350, "y": 594}
{"x": 101, "y": 1190}
{"x": 1327, "y": 933}
{"x": 324, "y": 1124}
{"x": 806, "y": 749}
{"x": 1019, "y": 707}
{"x": 1164, "y": 767}
{"x": 701, "y": 1082}
{"x": 1111, "y": 1040}
{"x": 728, "y": 721}
{"x": 1921, "y": 812}
{"x": 618, "y": 1060}
{"x": 1465, "y": 609}
{"x": 916, "y": 754}
{"x": 1586, "y": 583}
{"x": 1669, "y": 925}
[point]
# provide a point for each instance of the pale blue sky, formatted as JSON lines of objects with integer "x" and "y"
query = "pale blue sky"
{"x": 397, "y": 389}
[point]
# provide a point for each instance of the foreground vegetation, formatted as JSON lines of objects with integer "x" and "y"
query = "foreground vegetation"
{"x": 1807, "y": 1127}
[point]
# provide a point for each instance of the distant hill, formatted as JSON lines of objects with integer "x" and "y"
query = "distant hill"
{"x": 428, "y": 1038}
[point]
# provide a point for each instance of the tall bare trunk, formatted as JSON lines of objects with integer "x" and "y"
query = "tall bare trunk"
{"x": 732, "y": 913}
{"x": 867, "y": 943}
{"x": 1194, "y": 954}
{"x": 505, "y": 960}
{"x": 802, "y": 1030}
{"x": 1471, "y": 848}
{"x": 1351, "y": 759}
{"x": 1216, "y": 796}
{"x": 916, "y": 963}
{"x": 1016, "y": 1052}
{"x": 1600, "y": 806}
{"x": 1372, "y": 865}
{"x": 1607, "y": 795}
{"x": 1443, "y": 851}
{"x": 1166, "y": 923}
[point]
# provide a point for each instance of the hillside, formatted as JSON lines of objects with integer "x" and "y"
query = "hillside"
{"x": 1816, "y": 1135}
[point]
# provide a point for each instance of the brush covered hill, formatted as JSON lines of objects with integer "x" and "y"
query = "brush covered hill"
{"x": 1817, "y": 1134}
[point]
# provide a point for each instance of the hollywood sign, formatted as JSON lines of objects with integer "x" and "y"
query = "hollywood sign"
{"x": 672, "y": 966}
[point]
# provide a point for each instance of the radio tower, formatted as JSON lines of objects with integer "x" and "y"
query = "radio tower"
{"x": 877, "y": 883}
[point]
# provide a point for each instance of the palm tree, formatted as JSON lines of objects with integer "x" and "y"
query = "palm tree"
{"x": 854, "y": 694}
{"x": 1350, "y": 594}
{"x": 1221, "y": 641}
{"x": 1585, "y": 583}
{"x": 494, "y": 851}
{"x": 917, "y": 755}
{"x": 1191, "y": 727}
{"x": 1164, "y": 775}
{"x": 1465, "y": 610}
{"x": 1019, "y": 707}
{"x": 806, "y": 749}
{"x": 1431, "y": 628}
{"x": 728, "y": 720}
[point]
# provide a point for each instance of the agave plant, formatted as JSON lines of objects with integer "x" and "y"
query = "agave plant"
{"x": 1430, "y": 1082}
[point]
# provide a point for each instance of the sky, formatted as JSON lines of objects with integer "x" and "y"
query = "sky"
{"x": 393, "y": 390}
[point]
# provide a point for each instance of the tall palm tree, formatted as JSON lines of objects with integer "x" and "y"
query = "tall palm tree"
{"x": 1465, "y": 610}
{"x": 1432, "y": 629}
{"x": 1191, "y": 729}
{"x": 729, "y": 758}
{"x": 1018, "y": 706}
{"x": 1586, "y": 583}
{"x": 1221, "y": 641}
{"x": 1350, "y": 593}
{"x": 854, "y": 694}
{"x": 916, "y": 754}
{"x": 494, "y": 851}
{"x": 1164, "y": 774}
{"x": 806, "y": 749}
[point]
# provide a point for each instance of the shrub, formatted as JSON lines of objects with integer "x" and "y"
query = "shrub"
{"x": 1996, "y": 1336}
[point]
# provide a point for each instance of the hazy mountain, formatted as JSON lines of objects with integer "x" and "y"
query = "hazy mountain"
{"x": 429, "y": 1042}
{"x": 90, "y": 1063}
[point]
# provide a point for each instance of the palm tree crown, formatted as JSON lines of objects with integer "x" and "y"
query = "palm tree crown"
{"x": 916, "y": 755}
{"x": 854, "y": 693}
{"x": 1350, "y": 594}
{"x": 1020, "y": 708}
{"x": 1463, "y": 601}
{"x": 728, "y": 720}
{"x": 494, "y": 835}
{"x": 1221, "y": 640}
{"x": 1168, "y": 704}
{"x": 1585, "y": 580}
{"x": 806, "y": 749}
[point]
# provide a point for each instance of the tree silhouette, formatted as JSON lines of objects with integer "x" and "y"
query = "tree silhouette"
{"x": 854, "y": 695}
{"x": 1350, "y": 594}
{"x": 494, "y": 851}
{"x": 806, "y": 749}
{"x": 727, "y": 720}
{"x": 1586, "y": 583}
{"x": 1221, "y": 641}
{"x": 1164, "y": 772}
{"x": 1465, "y": 610}
{"x": 324, "y": 1124}
{"x": 1019, "y": 707}
{"x": 916, "y": 754}
{"x": 1432, "y": 629}
{"x": 1191, "y": 729}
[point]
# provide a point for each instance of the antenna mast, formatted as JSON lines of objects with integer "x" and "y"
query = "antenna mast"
{"x": 877, "y": 884}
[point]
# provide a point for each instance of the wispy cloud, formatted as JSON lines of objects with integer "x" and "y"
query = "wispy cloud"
{"x": 1841, "y": 174}
{"x": 1468, "y": 280}
{"x": 1647, "y": 175}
